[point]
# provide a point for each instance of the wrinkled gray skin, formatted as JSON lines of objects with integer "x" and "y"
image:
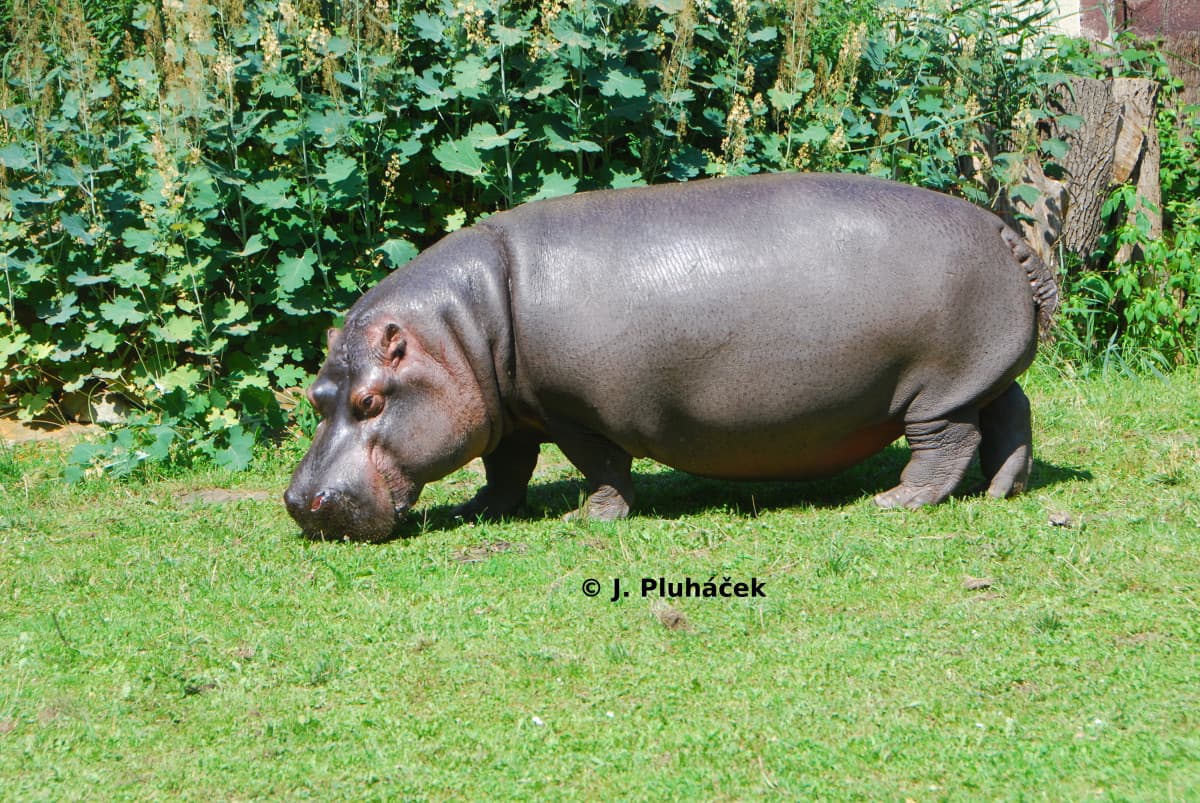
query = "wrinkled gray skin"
{"x": 784, "y": 326}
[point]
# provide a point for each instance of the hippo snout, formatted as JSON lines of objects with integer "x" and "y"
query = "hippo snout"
{"x": 320, "y": 512}
{"x": 300, "y": 504}
{"x": 337, "y": 513}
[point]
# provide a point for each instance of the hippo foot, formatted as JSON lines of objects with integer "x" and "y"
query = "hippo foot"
{"x": 908, "y": 496}
{"x": 941, "y": 451}
{"x": 606, "y": 504}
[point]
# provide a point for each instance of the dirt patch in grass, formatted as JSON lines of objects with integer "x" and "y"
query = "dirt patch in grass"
{"x": 224, "y": 496}
{"x": 13, "y": 431}
{"x": 477, "y": 553}
{"x": 671, "y": 618}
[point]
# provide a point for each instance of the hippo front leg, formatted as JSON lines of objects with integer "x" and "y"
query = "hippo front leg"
{"x": 509, "y": 468}
{"x": 941, "y": 453}
{"x": 605, "y": 467}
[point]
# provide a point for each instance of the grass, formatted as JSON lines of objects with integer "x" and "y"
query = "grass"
{"x": 153, "y": 647}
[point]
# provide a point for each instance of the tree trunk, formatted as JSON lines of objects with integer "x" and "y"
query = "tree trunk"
{"x": 1089, "y": 160}
{"x": 1136, "y": 157}
{"x": 1116, "y": 143}
{"x": 1040, "y": 223}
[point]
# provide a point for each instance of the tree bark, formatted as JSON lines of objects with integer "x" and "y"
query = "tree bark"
{"x": 1089, "y": 160}
{"x": 1136, "y": 157}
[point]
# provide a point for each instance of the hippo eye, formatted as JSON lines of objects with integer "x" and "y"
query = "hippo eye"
{"x": 370, "y": 404}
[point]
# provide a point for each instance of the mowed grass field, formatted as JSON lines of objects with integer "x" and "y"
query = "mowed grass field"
{"x": 159, "y": 641}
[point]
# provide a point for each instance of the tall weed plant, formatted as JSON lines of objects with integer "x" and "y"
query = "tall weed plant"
{"x": 191, "y": 191}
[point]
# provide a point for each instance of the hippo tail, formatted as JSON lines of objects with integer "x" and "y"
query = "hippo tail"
{"x": 1041, "y": 279}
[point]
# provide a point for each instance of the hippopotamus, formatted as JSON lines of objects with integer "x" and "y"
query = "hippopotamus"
{"x": 782, "y": 326}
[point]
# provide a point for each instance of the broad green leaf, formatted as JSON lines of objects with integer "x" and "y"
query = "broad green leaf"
{"x": 508, "y": 37}
{"x": 1027, "y": 193}
{"x": 177, "y": 329}
{"x": 236, "y": 456}
{"x": 348, "y": 80}
{"x": 142, "y": 241}
{"x": 279, "y": 85}
{"x": 484, "y": 136}
{"x": 623, "y": 82}
{"x": 102, "y": 340}
{"x": 273, "y": 357}
{"x": 254, "y": 244}
{"x": 290, "y": 376}
{"x": 470, "y": 77}
{"x": 766, "y": 34}
{"x": 814, "y": 134}
{"x": 631, "y": 179}
{"x": 227, "y": 311}
{"x": 330, "y": 126}
{"x": 686, "y": 163}
{"x": 64, "y": 175}
{"x": 122, "y": 311}
{"x": 14, "y": 344}
{"x": 67, "y": 309}
{"x": 550, "y": 82}
{"x": 398, "y": 252}
{"x": 339, "y": 168}
{"x": 295, "y": 272}
{"x": 75, "y": 226}
{"x": 185, "y": 377}
{"x": 81, "y": 279}
{"x": 67, "y": 352}
{"x": 931, "y": 104}
{"x": 160, "y": 448}
{"x": 274, "y": 193}
{"x": 15, "y": 157}
{"x": 428, "y": 27}
{"x": 559, "y": 142}
{"x": 554, "y": 185}
{"x": 459, "y": 156}
{"x": 128, "y": 274}
{"x": 783, "y": 101}
{"x": 429, "y": 84}
{"x": 1055, "y": 148}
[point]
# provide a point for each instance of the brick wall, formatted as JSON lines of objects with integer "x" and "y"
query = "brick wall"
{"x": 1147, "y": 17}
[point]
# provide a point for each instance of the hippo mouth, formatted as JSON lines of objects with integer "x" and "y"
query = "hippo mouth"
{"x": 401, "y": 492}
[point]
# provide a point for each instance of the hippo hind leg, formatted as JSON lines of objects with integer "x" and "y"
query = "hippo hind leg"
{"x": 1006, "y": 451}
{"x": 941, "y": 452}
{"x": 508, "y": 467}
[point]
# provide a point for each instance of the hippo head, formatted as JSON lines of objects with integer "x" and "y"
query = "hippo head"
{"x": 398, "y": 410}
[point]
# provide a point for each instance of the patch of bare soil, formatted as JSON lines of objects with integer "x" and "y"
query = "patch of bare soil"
{"x": 477, "y": 553}
{"x": 224, "y": 496}
{"x": 13, "y": 431}
{"x": 671, "y": 617}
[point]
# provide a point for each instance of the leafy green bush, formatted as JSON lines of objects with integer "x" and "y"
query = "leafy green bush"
{"x": 1144, "y": 312}
{"x": 187, "y": 203}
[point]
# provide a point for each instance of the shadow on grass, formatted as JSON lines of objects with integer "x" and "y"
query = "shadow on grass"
{"x": 671, "y": 494}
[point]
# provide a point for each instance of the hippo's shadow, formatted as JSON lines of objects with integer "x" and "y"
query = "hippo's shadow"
{"x": 671, "y": 494}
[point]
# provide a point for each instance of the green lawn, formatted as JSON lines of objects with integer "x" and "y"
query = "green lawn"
{"x": 155, "y": 646}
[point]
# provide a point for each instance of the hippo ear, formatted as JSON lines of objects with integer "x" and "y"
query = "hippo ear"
{"x": 332, "y": 336}
{"x": 393, "y": 345}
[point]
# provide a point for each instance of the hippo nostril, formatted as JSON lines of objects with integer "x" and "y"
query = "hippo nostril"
{"x": 319, "y": 498}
